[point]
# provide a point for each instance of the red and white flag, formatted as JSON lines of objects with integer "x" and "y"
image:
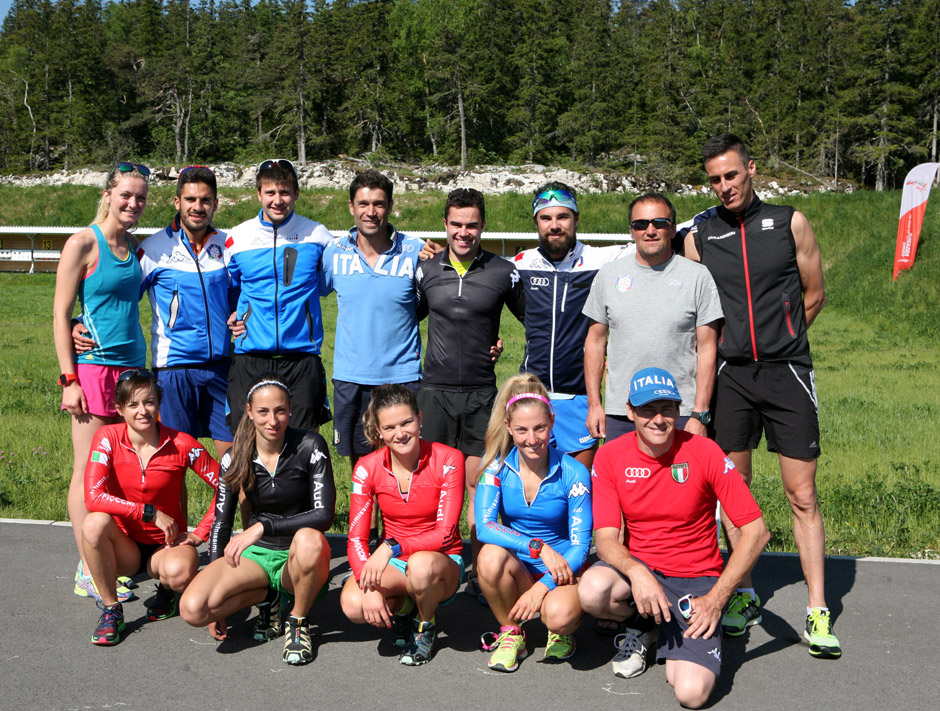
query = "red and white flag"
{"x": 917, "y": 186}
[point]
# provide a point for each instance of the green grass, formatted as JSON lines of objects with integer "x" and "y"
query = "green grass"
{"x": 875, "y": 347}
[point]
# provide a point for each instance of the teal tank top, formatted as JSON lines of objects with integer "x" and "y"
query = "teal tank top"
{"x": 109, "y": 294}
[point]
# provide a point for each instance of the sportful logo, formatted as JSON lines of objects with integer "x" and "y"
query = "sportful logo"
{"x": 767, "y": 224}
{"x": 680, "y": 472}
{"x": 579, "y": 489}
{"x": 637, "y": 473}
{"x": 536, "y": 282}
{"x": 726, "y": 234}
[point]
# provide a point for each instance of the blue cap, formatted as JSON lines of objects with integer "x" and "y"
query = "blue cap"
{"x": 652, "y": 384}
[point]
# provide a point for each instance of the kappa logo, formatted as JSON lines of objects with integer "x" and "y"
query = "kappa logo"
{"x": 514, "y": 277}
{"x": 536, "y": 282}
{"x": 716, "y": 653}
{"x": 637, "y": 473}
{"x": 729, "y": 465}
{"x": 194, "y": 454}
{"x": 726, "y": 234}
{"x": 317, "y": 456}
{"x": 767, "y": 224}
{"x": 579, "y": 489}
{"x": 178, "y": 255}
{"x": 105, "y": 444}
{"x": 675, "y": 282}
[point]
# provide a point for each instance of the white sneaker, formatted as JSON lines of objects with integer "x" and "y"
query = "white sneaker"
{"x": 634, "y": 649}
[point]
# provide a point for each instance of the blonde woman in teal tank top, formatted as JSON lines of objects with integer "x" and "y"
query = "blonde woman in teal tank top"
{"x": 99, "y": 266}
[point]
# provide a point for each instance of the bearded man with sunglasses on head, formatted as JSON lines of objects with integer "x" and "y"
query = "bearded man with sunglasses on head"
{"x": 657, "y": 310}
{"x": 274, "y": 260}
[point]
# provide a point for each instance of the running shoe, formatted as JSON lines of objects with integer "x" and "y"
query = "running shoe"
{"x": 85, "y": 587}
{"x": 298, "y": 645}
{"x": 403, "y": 628}
{"x": 823, "y": 644}
{"x": 559, "y": 646}
{"x": 473, "y": 590}
{"x": 164, "y": 605}
{"x": 110, "y": 624}
{"x": 421, "y": 646}
{"x": 510, "y": 649}
{"x": 634, "y": 651}
{"x": 268, "y": 623}
{"x": 743, "y": 611}
{"x": 127, "y": 582}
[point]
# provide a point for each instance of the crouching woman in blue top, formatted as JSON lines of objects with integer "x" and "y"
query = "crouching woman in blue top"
{"x": 529, "y": 563}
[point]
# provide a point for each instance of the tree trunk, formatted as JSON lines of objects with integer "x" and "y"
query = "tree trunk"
{"x": 463, "y": 125}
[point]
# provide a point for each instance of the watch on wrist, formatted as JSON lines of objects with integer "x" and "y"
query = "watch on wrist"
{"x": 535, "y": 547}
{"x": 393, "y": 544}
{"x": 705, "y": 417}
{"x": 67, "y": 379}
{"x": 150, "y": 513}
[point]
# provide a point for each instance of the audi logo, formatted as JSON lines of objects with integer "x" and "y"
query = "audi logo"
{"x": 637, "y": 473}
{"x": 538, "y": 281}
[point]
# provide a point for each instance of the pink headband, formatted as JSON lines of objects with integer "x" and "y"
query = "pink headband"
{"x": 523, "y": 396}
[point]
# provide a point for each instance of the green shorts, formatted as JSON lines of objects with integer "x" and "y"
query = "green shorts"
{"x": 400, "y": 565}
{"x": 272, "y": 563}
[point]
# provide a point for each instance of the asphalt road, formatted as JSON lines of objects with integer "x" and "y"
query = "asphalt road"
{"x": 886, "y": 615}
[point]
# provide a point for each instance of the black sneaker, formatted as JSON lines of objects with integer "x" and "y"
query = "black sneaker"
{"x": 298, "y": 644}
{"x": 403, "y": 628}
{"x": 164, "y": 605}
{"x": 268, "y": 623}
{"x": 419, "y": 649}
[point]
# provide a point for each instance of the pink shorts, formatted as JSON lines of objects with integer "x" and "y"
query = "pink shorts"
{"x": 98, "y": 383}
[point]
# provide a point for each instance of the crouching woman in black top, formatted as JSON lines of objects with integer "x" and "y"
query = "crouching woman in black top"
{"x": 282, "y": 557}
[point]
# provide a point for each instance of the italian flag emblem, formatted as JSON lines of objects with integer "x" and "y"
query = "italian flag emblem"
{"x": 680, "y": 472}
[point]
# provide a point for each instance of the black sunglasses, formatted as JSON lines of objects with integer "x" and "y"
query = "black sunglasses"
{"x": 660, "y": 223}
{"x": 126, "y": 167}
{"x": 136, "y": 373}
{"x": 279, "y": 162}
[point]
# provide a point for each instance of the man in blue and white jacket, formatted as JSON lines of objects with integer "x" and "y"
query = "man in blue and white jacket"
{"x": 274, "y": 260}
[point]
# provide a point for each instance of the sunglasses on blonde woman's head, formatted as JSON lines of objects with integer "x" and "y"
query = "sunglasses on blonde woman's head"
{"x": 125, "y": 167}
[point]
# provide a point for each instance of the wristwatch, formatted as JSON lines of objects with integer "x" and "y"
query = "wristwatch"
{"x": 150, "y": 513}
{"x": 393, "y": 544}
{"x": 705, "y": 417}
{"x": 67, "y": 378}
{"x": 535, "y": 547}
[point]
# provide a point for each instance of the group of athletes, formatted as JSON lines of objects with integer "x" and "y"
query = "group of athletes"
{"x": 690, "y": 352}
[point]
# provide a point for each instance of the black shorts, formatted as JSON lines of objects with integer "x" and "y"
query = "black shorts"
{"x": 456, "y": 419}
{"x": 304, "y": 375}
{"x": 146, "y": 553}
{"x": 778, "y": 399}
{"x": 350, "y": 401}
{"x": 671, "y": 644}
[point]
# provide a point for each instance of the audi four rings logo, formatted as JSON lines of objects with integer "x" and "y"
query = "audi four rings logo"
{"x": 637, "y": 473}
{"x": 538, "y": 281}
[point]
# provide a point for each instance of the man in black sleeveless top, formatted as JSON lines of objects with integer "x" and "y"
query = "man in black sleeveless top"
{"x": 766, "y": 264}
